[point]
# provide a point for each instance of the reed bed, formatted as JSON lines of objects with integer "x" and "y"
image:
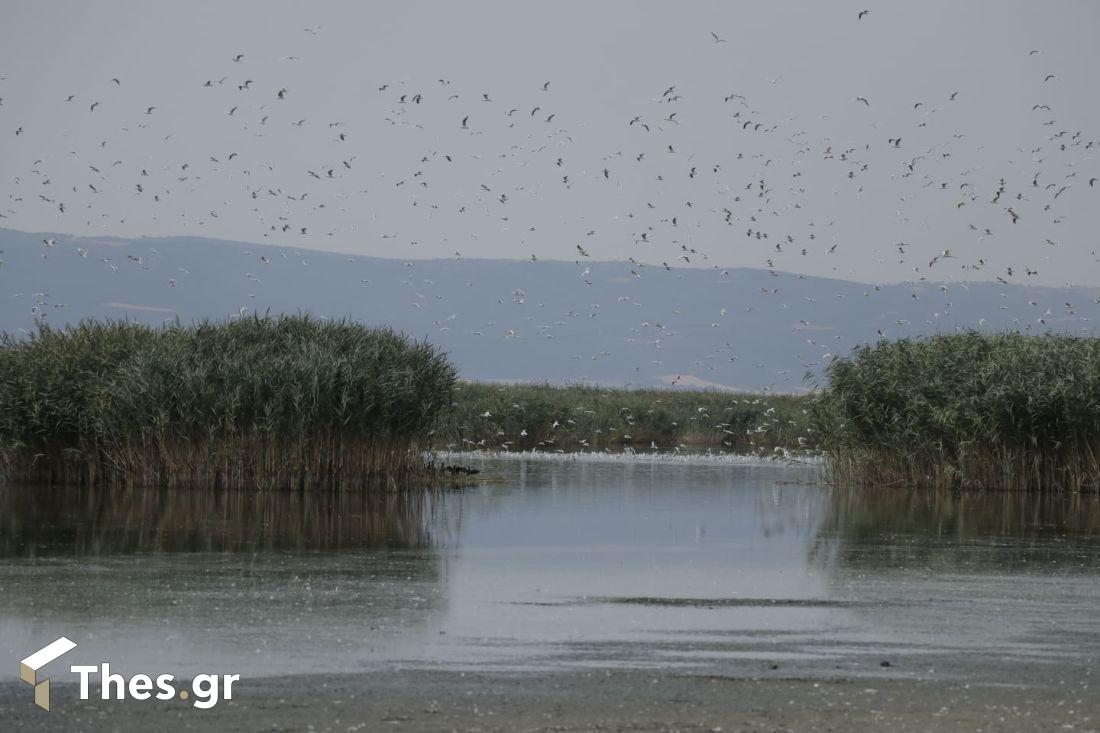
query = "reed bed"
{"x": 262, "y": 402}
{"x": 1001, "y": 411}
{"x": 542, "y": 417}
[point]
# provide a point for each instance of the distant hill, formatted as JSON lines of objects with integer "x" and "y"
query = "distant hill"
{"x": 606, "y": 322}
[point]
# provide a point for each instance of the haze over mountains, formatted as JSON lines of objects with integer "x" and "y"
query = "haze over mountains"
{"x": 608, "y": 322}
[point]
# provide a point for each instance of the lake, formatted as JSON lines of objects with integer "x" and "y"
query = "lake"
{"x": 710, "y": 567}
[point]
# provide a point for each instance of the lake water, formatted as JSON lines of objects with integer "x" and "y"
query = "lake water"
{"x": 715, "y": 568}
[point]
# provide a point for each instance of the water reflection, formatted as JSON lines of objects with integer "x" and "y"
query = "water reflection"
{"x": 49, "y": 521}
{"x": 732, "y": 569}
{"x": 869, "y": 527}
{"x": 249, "y": 582}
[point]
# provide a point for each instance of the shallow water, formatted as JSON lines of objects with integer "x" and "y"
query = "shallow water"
{"x": 707, "y": 567}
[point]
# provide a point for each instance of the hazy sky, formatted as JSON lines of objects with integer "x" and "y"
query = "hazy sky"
{"x": 815, "y": 170}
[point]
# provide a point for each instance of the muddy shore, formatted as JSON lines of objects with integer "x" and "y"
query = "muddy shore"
{"x": 597, "y": 700}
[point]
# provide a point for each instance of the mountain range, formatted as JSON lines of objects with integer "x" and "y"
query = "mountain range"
{"x": 614, "y": 323}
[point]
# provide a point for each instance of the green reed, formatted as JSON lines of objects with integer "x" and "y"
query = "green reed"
{"x": 257, "y": 402}
{"x": 1005, "y": 411}
{"x": 585, "y": 417}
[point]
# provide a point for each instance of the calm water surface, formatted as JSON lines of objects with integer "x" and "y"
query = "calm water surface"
{"x": 712, "y": 568}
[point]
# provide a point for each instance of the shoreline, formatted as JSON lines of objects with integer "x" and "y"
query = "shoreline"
{"x": 597, "y": 699}
{"x": 629, "y": 456}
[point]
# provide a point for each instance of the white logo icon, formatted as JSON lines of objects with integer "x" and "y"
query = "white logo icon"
{"x": 28, "y": 669}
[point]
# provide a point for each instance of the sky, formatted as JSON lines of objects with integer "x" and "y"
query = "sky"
{"x": 921, "y": 140}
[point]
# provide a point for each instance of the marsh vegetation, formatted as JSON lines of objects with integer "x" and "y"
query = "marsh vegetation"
{"x": 586, "y": 417}
{"x": 294, "y": 402}
{"x": 1003, "y": 411}
{"x": 258, "y": 402}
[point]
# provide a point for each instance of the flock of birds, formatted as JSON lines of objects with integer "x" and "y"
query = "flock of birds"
{"x": 478, "y": 164}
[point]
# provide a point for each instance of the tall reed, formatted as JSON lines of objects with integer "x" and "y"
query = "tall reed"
{"x": 258, "y": 402}
{"x": 1005, "y": 411}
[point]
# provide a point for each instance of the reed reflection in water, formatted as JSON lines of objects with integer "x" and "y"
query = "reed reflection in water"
{"x": 559, "y": 564}
{"x": 240, "y": 581}
{"x": 49, "y": 521}
{"x": 957, "y": 530}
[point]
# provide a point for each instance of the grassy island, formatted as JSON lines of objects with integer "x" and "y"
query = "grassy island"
{"x": 1001, "y": 411}
{"x": 263, "y": 402}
